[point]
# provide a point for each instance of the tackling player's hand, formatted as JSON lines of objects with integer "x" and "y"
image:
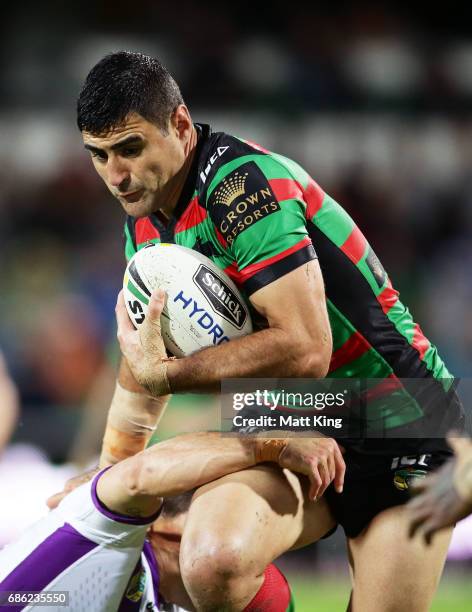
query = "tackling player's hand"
{"x": 445, "y": 497}
{"x": 144, "y": 348}
{"x": 53, "y": 501}
{"x": 319, "y": 458}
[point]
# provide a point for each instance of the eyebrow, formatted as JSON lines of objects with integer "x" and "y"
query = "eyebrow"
{"x": 118, "y": 145}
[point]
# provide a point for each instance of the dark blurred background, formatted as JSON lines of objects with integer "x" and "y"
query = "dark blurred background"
{"x": 375, "y": 102}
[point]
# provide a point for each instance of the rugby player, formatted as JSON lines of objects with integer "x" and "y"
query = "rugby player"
{"x": 93, "y": 546}
{"x": 325, "y": 305}
{"x": 445, "y": 497}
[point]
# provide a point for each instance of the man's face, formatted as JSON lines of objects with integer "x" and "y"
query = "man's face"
{"x": 167, "y": 531}
{"x": 138, "y": 163}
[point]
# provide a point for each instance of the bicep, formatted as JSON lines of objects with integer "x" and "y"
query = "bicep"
{"x": 296, "y": 303}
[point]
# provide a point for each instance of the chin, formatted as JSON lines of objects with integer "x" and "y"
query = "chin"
{"x": 138, "y": 209}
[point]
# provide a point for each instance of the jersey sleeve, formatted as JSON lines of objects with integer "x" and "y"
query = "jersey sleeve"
{"x": 130, "y": 244}
{"x": 89, "y": 516}
{"x": 258, "y": 209}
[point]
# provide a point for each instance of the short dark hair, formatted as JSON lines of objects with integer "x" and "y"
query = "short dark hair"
{"x": 122, "y": 83}
{"x": 173, "y": 506}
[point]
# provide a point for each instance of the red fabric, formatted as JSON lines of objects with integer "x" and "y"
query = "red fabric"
{"x": 256, "y": 267}
{"x": 314, "y": 197}
{"x": 254, "y": 145}
{"x": 274, "y": 594}
{"x": 388, "y": 298}
{"x": 192, "y": 215}
{"x": 355, "y": 245}
{"x": 383, "y": 388}
{"x": 145, "y": 230}
{"x": 286, "y": 189}
{"x": 352, "y": 349}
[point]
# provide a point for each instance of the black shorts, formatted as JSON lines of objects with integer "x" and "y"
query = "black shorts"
{"x": 379, "y": 472}
{"x": 375, "y": 482}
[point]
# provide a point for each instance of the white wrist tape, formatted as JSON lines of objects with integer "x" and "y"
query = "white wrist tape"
{"x": 132, "y": 419}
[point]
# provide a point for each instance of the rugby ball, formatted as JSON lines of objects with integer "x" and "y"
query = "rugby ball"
{"x": 203, "y": 306}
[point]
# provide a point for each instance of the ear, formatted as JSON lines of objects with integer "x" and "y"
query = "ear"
{"x": 181, "y": 122}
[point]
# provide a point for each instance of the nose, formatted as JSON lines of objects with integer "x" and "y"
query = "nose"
{"x": 118, "y": 172}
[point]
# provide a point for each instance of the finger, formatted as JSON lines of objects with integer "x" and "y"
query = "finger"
{"x": 53, "y": 501}
{"x": 422, "y": 485}
{"x": 150, "y": 331}
{"x": 418, "y": 518}
{"x": 316, "y": 483}
{"x": 156, "y": 305}
{"x": 75, "y": 482}
{"x": 429, "y": 529}
{"x": 331, "y": 467}
{"x": 340, "y": 471}
{"x": 122, "y": 319}
{"x": 324, "y": 473}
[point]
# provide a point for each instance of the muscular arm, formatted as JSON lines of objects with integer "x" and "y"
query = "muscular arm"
{"x": 296, "y": 344}
{"x": 136, "y": 485}
{"x": 444, "y": 497}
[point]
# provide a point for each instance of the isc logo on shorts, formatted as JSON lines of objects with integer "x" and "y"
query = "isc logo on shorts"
{"x": 410, "y": 470}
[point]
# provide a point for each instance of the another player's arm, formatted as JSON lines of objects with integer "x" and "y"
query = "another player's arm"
{"x": 297, "y": 343}
{"x": 137, "y": 485}
{"x": 444, "y": 497}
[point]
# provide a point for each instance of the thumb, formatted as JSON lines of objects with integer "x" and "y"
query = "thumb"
{"x": 150, "y": 330}
{"x": 156, "y": 306}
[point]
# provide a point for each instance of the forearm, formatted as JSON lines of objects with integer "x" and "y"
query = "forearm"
{"x": 132, "y": 419}
{"x": 272, "y": 352}
{"x": 190, "y": 460}
{"x": 136, "y": 485}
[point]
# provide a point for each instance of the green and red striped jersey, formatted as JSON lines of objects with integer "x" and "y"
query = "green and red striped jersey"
{"x": 258, "y": 215}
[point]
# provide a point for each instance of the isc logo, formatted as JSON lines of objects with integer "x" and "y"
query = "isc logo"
{"x": 220, "y": 296}
{"x": 409, "y": 460}
{"x": 212, "y": 160}
{"x": 201, "y": 317}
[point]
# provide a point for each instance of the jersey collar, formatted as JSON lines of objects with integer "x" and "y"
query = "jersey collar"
{"x": 204, "y": 132}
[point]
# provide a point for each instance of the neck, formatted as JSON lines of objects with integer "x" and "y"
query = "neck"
{"x": 171, "y": 585}
{"x": 177, "y": 183}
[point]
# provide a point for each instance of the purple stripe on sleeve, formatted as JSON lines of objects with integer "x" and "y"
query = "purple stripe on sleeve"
{"x": 47, "y": 561}
{"x": 151, "y": 559}
{"x": 115, "y": 516}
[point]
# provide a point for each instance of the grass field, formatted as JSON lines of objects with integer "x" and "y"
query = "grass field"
{"x": 331, "y": 595}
